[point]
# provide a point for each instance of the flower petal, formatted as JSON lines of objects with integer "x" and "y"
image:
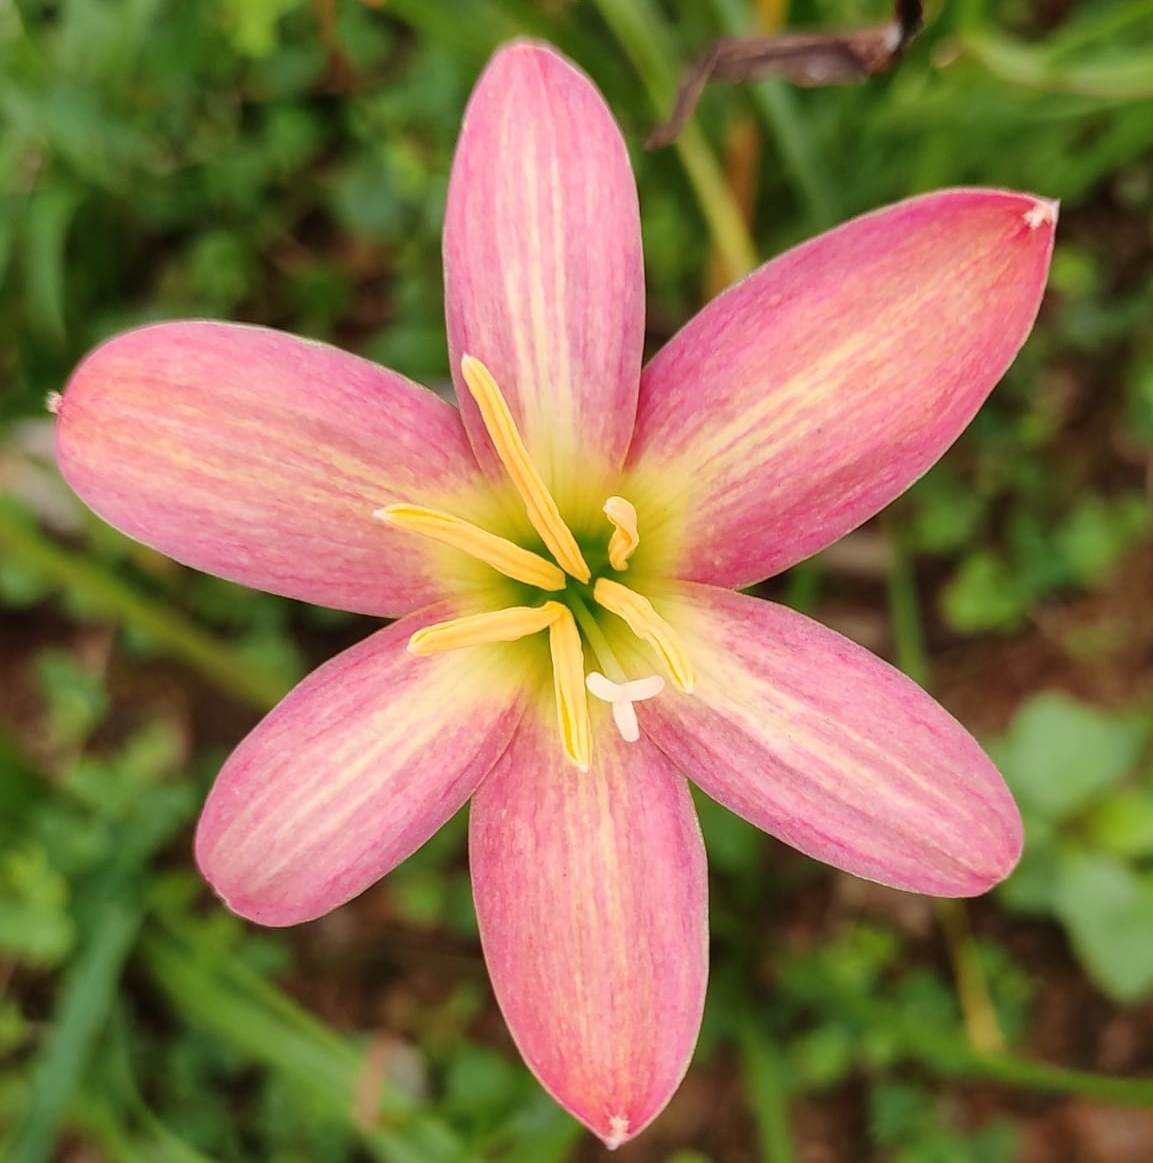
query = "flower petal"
{"x": 812, "y": 738}
{"x": 260, "y": 457}
{"x": 807, "y": 397}
{"x": 353, "y": 771}
{"x": 598, "y": 963}
{"x": 544, "y": 280}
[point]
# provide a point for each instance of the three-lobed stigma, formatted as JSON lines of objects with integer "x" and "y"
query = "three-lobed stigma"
{"x": 564, "y": 613}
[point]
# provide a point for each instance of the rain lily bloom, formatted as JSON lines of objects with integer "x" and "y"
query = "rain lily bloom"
{"x": 562, "y": 555}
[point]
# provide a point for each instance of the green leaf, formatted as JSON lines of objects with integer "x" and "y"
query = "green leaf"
{"x": 1099, "y": 532}
{"x": 983, "y": 595}
{"x": 48, "y": 217}
{"x": 35, "y": 925}
{"x": 253, "y": 24}
{"x": 1060, "y": 753}
{"x": 1033, "y": 884}
{"x": 1108, "y": 910}
{"x": 1123, "y": 823}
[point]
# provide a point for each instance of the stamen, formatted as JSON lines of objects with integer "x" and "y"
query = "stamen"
{"x": 568, "y": 673}
{"x": 542, "y": 510}
{"x": 625, "y": 537}
{"x": 499, "y": 552}
{"x": 508, "y": 625}
{"x": 638, "y": 614}
{"x": 621, "y": 696}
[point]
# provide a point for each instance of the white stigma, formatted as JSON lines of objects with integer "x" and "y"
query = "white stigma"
{"x": 621, "y": 696}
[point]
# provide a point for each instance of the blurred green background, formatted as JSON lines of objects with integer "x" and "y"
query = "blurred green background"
{"x": 285, "y": 162}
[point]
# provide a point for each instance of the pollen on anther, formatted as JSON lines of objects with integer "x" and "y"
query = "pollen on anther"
{"x": 53, "y": 402}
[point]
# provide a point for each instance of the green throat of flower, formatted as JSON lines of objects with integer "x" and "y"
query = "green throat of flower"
{"x": 572, "y": 599}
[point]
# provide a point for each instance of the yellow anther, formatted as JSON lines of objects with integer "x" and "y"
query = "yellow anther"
{"x": 542, "y": 509}
{"x": 508, "y": 625}
{"x": 499, "y": 552}
{"x": 638, "y": 614}
{"x": 625, "y": 537}
{"x": 568, "y": 676}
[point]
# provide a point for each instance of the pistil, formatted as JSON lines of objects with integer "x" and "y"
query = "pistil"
{"x": 621, "y": 696}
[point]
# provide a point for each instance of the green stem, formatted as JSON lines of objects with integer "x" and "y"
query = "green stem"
{"x": 781, "y": 113}
{"x": 768, "y": 1095}
{"x": 645, "y": 38}
{"x": 1039, "y": 1076}
{"x": 77, "y": 576}
{"x": 949, "y": 1055}
{"x": 905, "y": 611}
{"x": 980, "y": 1014}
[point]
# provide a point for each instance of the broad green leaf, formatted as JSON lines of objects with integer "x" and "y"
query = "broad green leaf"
{"x": 1032, "y": 886}
{"x": 1099, "y": 531}
{"x": 1123, "y": 823}
{"x": 1108, "y": 910}
{"x": 47, "y": 219}
{"x": 983, "y": 595}
{"x": 1059, "y": 753}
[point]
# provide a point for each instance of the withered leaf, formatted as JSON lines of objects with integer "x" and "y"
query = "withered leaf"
{"x": 809, "y": 59}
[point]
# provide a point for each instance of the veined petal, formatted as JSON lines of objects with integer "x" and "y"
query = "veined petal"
{"x": 830, "y": 749}
{"x": 808, "y": 396}
{"x": 354, "y": 770}
{"x": 544, "y": 280}
{"x": 599, "y": 964}
{"x": 261, "y": 457}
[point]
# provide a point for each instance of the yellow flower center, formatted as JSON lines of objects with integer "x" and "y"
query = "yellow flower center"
{"x": 570, "y": 623}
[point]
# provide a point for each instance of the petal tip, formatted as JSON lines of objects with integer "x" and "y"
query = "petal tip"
{"x": 995, "y": 860}
{"x": 1006, "y": 858}
{"x": 524, "y": 48}
{"x": 1044, "y": 211}
{"x": 618, "y": 1132}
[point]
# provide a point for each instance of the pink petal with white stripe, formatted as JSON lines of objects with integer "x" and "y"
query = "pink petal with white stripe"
{"x": 818, "y": 742}
{"x": 354, "y": 770}
{"x": 260, "y": 457}
{"x": 544, "y": 277}
{"x": 591, "y": 896}
{"x": 808, "y": 396}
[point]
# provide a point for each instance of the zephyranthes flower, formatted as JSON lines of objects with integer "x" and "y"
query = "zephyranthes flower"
{"x": 561, "y": 554}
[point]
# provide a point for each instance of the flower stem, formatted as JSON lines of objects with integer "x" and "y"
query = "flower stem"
{"x": 644, "y": 36}
{"x": 72, "y": 574}
{"x": 781, "y": 113}
{"x": 762, "y": 1066}
{"x": 948, "y": 1054}
{"x": 977, "y": 1008}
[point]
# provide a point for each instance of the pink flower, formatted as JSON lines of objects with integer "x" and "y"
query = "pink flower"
{"x": 577, "y": 529}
